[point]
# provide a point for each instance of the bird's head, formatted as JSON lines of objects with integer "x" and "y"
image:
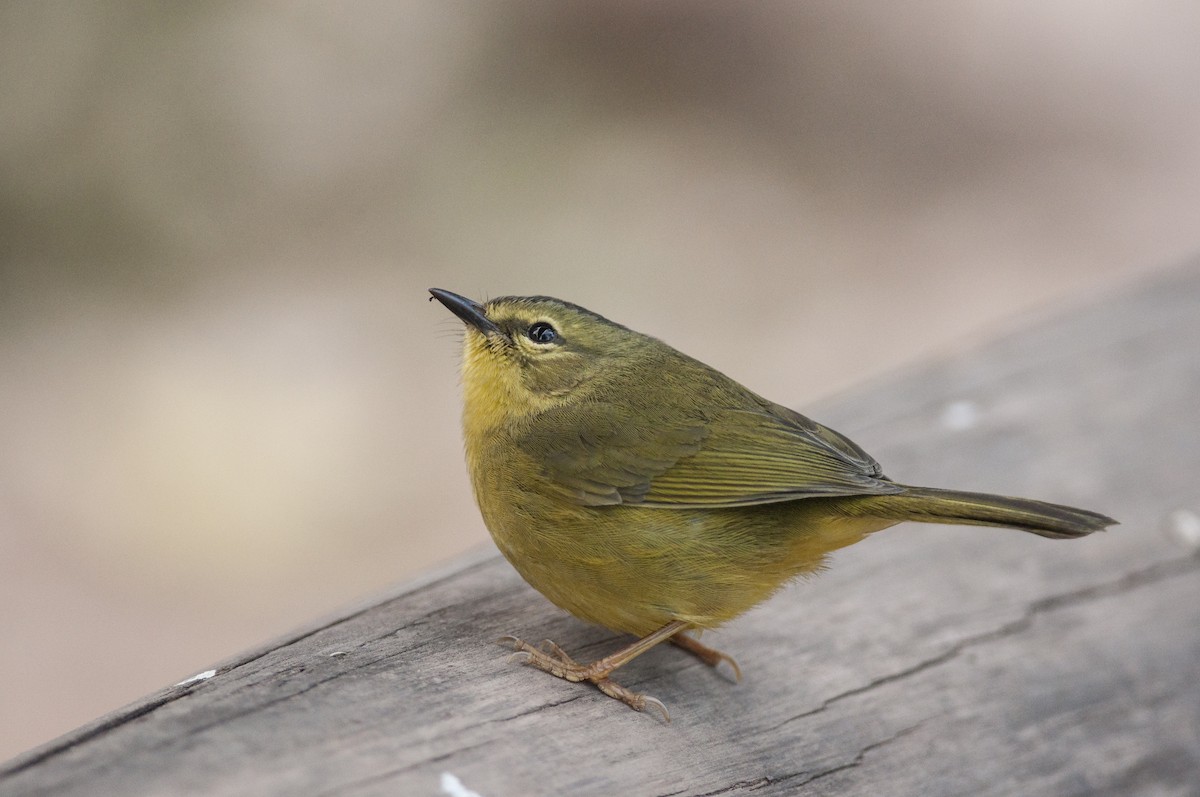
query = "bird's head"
{"x": 525, "y": 354}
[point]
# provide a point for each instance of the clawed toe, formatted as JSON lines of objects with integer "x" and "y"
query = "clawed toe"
{"x": 551, "y": 648}
{"x": 657, "y": 705}
{"x": 734, "y": 669}
{"x": 710, "y": 656}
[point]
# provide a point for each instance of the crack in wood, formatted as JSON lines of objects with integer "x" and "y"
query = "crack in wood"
{"x": 538, "y": 709}
{"x": 1152, "y": 574}
{"x": 254, "y": 709}
{"x": 775, "y": 780}
{"x": 742, "y": 785}
{"x": 88, "y": 734}
{"x": 862, "y": 754}
{"x": 458, "y": 732}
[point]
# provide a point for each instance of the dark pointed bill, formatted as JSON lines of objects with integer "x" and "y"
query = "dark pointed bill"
{"x": 469, "y": 311}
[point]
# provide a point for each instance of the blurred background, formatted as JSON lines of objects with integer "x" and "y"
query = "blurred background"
{"x": 226, "y": 408}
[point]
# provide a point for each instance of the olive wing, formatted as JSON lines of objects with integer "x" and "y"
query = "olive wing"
{"x": 725, "y": 458}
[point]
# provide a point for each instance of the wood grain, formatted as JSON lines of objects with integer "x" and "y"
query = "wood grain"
{"x": 928, "y": 660}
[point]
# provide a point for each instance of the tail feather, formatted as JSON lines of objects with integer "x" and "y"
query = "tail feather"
{"x": 930, "y": 505}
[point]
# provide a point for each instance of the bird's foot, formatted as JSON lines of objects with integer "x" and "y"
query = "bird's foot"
{"x": 551, "y": 658}
{"x": 710, "y": 656}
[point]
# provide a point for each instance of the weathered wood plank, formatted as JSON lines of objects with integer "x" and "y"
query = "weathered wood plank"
{"x": 928, "y": 660}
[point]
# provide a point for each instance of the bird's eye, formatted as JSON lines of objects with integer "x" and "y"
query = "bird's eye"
{"x": 541, "y": 332}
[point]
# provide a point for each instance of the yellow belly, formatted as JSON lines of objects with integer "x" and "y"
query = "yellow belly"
{"x": 634, "y": 569}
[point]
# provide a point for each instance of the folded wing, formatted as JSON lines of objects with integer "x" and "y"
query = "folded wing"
{"x": 723, "y": 458}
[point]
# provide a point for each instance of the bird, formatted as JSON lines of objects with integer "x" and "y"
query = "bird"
{"x": 648, "y": 493}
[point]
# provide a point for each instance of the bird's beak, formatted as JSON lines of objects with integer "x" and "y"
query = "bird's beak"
{"x": 469, "y": 311}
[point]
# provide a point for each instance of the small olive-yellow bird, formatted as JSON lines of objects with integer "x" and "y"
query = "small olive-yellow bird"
{"x": 643, "y": 491}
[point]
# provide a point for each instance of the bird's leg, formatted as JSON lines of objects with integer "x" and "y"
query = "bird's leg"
{"x": 709, "y": 656}
{"x": 554, "y": 660}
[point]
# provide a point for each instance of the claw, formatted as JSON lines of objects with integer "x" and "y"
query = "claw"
{"x": 520, "y": 657}
{"x": 654, "y": 702}
{"x": 551, "y": 648}
{"x": 713, "y": 658}
{"x": 733, "y": 666}
{"x": 509, "y": 641}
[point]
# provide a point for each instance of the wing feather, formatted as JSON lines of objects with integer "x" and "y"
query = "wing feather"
{"x": 723, "y": 458}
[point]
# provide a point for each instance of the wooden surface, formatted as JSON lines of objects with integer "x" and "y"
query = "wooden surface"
{"x": 928, "y": 660}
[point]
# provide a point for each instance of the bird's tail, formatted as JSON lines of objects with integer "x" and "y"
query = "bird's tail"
{"x": 930, "y": 505}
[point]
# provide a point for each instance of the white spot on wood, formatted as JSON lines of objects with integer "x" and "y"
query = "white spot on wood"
{"x": 1183, "y": 526}
{"x": 197, "y": 678}
{"x": 455, "y": 788}
{"x": 958, "y": 416}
